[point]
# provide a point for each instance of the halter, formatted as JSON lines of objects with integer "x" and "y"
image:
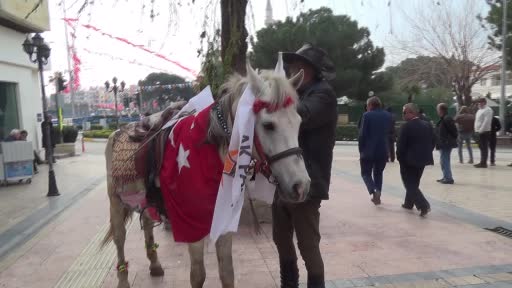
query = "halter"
{"x": 262, "y": 165}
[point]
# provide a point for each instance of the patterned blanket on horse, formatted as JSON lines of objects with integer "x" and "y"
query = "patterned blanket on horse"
{"x": 190, "y": 176}
{"x": 137, "y": 153}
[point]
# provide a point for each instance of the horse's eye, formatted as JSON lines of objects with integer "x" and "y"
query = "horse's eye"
{"x": 269, "y": 126}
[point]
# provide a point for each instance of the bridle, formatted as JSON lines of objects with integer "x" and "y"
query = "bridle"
{"x": 261, "y": 164}
{"x": 264, "y": 161}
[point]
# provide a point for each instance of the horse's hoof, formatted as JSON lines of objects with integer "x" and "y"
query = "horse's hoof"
{"x": 156, "y": 271}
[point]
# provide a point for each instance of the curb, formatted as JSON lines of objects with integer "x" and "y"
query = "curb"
{"x": 95, "y": 139}
{"x": 348, "y": 143}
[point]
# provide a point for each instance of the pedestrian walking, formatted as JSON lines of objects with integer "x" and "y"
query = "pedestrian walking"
{"x": 373, "y": 146}
{"x": 317, "y": 107}
{"x": 47, "y": 123}
{"x": 414, "y": 151}
{"x": 466, "y": 126}
{"x": 495, "y": 127}
{"x": 483, "y": 125}
{"x": 391, "y": 136}
{"x": 446, "y": 140}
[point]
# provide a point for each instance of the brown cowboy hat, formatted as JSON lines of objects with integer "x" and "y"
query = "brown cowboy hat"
{"x": 314, "y": 56}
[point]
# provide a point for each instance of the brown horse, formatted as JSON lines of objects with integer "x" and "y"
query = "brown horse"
{"x": 277, "y": 130}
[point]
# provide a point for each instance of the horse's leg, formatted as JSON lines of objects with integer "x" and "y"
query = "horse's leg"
{"x": 225, "y": 259}
{"x": 197, "y": 271}
{"x": 118, "y": 215}
{"x": 155, "y": 268}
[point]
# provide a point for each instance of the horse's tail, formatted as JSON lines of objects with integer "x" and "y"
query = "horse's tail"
{"x": 127, "y": 216}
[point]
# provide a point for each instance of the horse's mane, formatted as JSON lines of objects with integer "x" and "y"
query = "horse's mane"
{"x": 231, "y": 91}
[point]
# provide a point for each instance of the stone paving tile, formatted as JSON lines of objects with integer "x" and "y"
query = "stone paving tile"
{"x": 464, "y": 280}
{"x": 362, "y": 245}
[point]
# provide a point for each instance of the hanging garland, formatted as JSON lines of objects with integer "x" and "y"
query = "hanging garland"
{"x": 75, "y": 72}
{"x": 112, "y": 57}
{"x": 70, "y": 22}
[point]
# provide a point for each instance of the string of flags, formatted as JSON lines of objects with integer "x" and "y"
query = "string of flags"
{"x": 170, "y": 86}
{"x": 123, "y": 59}
{"x": 70, "y": 21}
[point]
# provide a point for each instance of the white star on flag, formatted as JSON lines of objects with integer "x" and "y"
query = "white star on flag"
{"x": 183, "y": 158}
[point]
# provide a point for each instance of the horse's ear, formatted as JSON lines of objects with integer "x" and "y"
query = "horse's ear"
{"x": 255, "y": 80}
{"x": 296, "y": 80}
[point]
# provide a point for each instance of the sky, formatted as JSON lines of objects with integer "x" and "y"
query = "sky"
{"x": 103, "y": 58}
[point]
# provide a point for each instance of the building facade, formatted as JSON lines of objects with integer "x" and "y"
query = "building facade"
{"x": 20, "y": 89}
{"x": 491, "y": 84}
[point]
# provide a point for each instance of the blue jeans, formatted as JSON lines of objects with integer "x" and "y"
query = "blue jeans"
{"x": 445, "y": 163}
{"x": 376, "y": 167}
{"x": 465, "y": 137}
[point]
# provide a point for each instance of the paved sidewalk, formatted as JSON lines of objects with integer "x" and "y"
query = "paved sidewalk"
{"x": 362, "y": 245}
{"x": 24, "y": 208}
{"x": 486, "y": 191}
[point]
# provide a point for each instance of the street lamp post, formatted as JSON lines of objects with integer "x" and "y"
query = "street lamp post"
{"x": 39, "y": 52}
{"x": 503, "y": 97}
{"x": 115, "y": 89}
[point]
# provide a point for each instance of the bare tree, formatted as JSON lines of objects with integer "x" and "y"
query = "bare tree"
{"x": 450, "y": 31}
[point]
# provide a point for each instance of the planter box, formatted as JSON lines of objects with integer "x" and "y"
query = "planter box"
{"x": 64, "y": 149}
{"x": 505, "y": 141}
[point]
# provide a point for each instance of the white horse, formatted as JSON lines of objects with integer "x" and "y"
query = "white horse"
{"x": 277, "y": 127}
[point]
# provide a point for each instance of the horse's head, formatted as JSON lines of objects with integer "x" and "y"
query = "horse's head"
{"x": 277, "y": 128}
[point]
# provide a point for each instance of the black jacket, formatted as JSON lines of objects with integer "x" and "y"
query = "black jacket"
{"x": 317, "y": 135}
{"x": 495, "y": 125}
{"x": 45, "y": 124}
{"x": 446, "y": 133}
{"x": 415, "y": 144}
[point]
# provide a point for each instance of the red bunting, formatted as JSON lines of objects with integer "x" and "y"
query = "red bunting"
{"x": 69, "y": 21}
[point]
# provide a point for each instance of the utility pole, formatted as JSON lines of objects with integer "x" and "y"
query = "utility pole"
{"x": 503, "y": 68}
{"x": 71, "y": 88}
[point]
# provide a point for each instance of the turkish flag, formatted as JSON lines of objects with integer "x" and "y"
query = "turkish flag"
{"x": 190, "y": 177}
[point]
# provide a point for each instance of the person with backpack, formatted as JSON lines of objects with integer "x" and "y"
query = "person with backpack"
{"x": 446, "y": 132}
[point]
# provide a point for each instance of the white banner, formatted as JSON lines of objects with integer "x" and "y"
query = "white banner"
{"x": 230, "y": 198}
{"x": 196, "y": 103}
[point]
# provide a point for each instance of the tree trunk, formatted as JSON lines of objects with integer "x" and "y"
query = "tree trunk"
{"x": 468, "y": 100}
{"x": 233, "y": 36}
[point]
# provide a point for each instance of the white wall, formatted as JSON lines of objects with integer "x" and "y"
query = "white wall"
{"x": 16, "y": 68}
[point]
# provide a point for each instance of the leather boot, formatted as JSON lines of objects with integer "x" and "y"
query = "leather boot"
{"x": 289, "y": 274}
{"x": 316, "y": 281}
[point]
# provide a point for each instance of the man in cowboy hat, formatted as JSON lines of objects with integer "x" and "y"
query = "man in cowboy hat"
{"x": 317, "y": 107}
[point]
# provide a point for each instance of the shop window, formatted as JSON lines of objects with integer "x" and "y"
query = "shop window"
{"x": 9, "y": 118}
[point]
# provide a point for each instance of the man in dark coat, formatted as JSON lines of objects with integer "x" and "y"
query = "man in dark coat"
{"x": 495, "y": 127}
{"x": 317, "y": 107}
{"x": 414, "y": 151}
{"x": 446, "y": 140}
{"x": 373, "y": 146}
{"x": 44, "y": 125}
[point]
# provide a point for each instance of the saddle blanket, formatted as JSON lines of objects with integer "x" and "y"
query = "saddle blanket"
{"x": 189, "y": 178}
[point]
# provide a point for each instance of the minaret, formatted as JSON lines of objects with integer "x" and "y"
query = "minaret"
{"x": 269, "y": 18}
